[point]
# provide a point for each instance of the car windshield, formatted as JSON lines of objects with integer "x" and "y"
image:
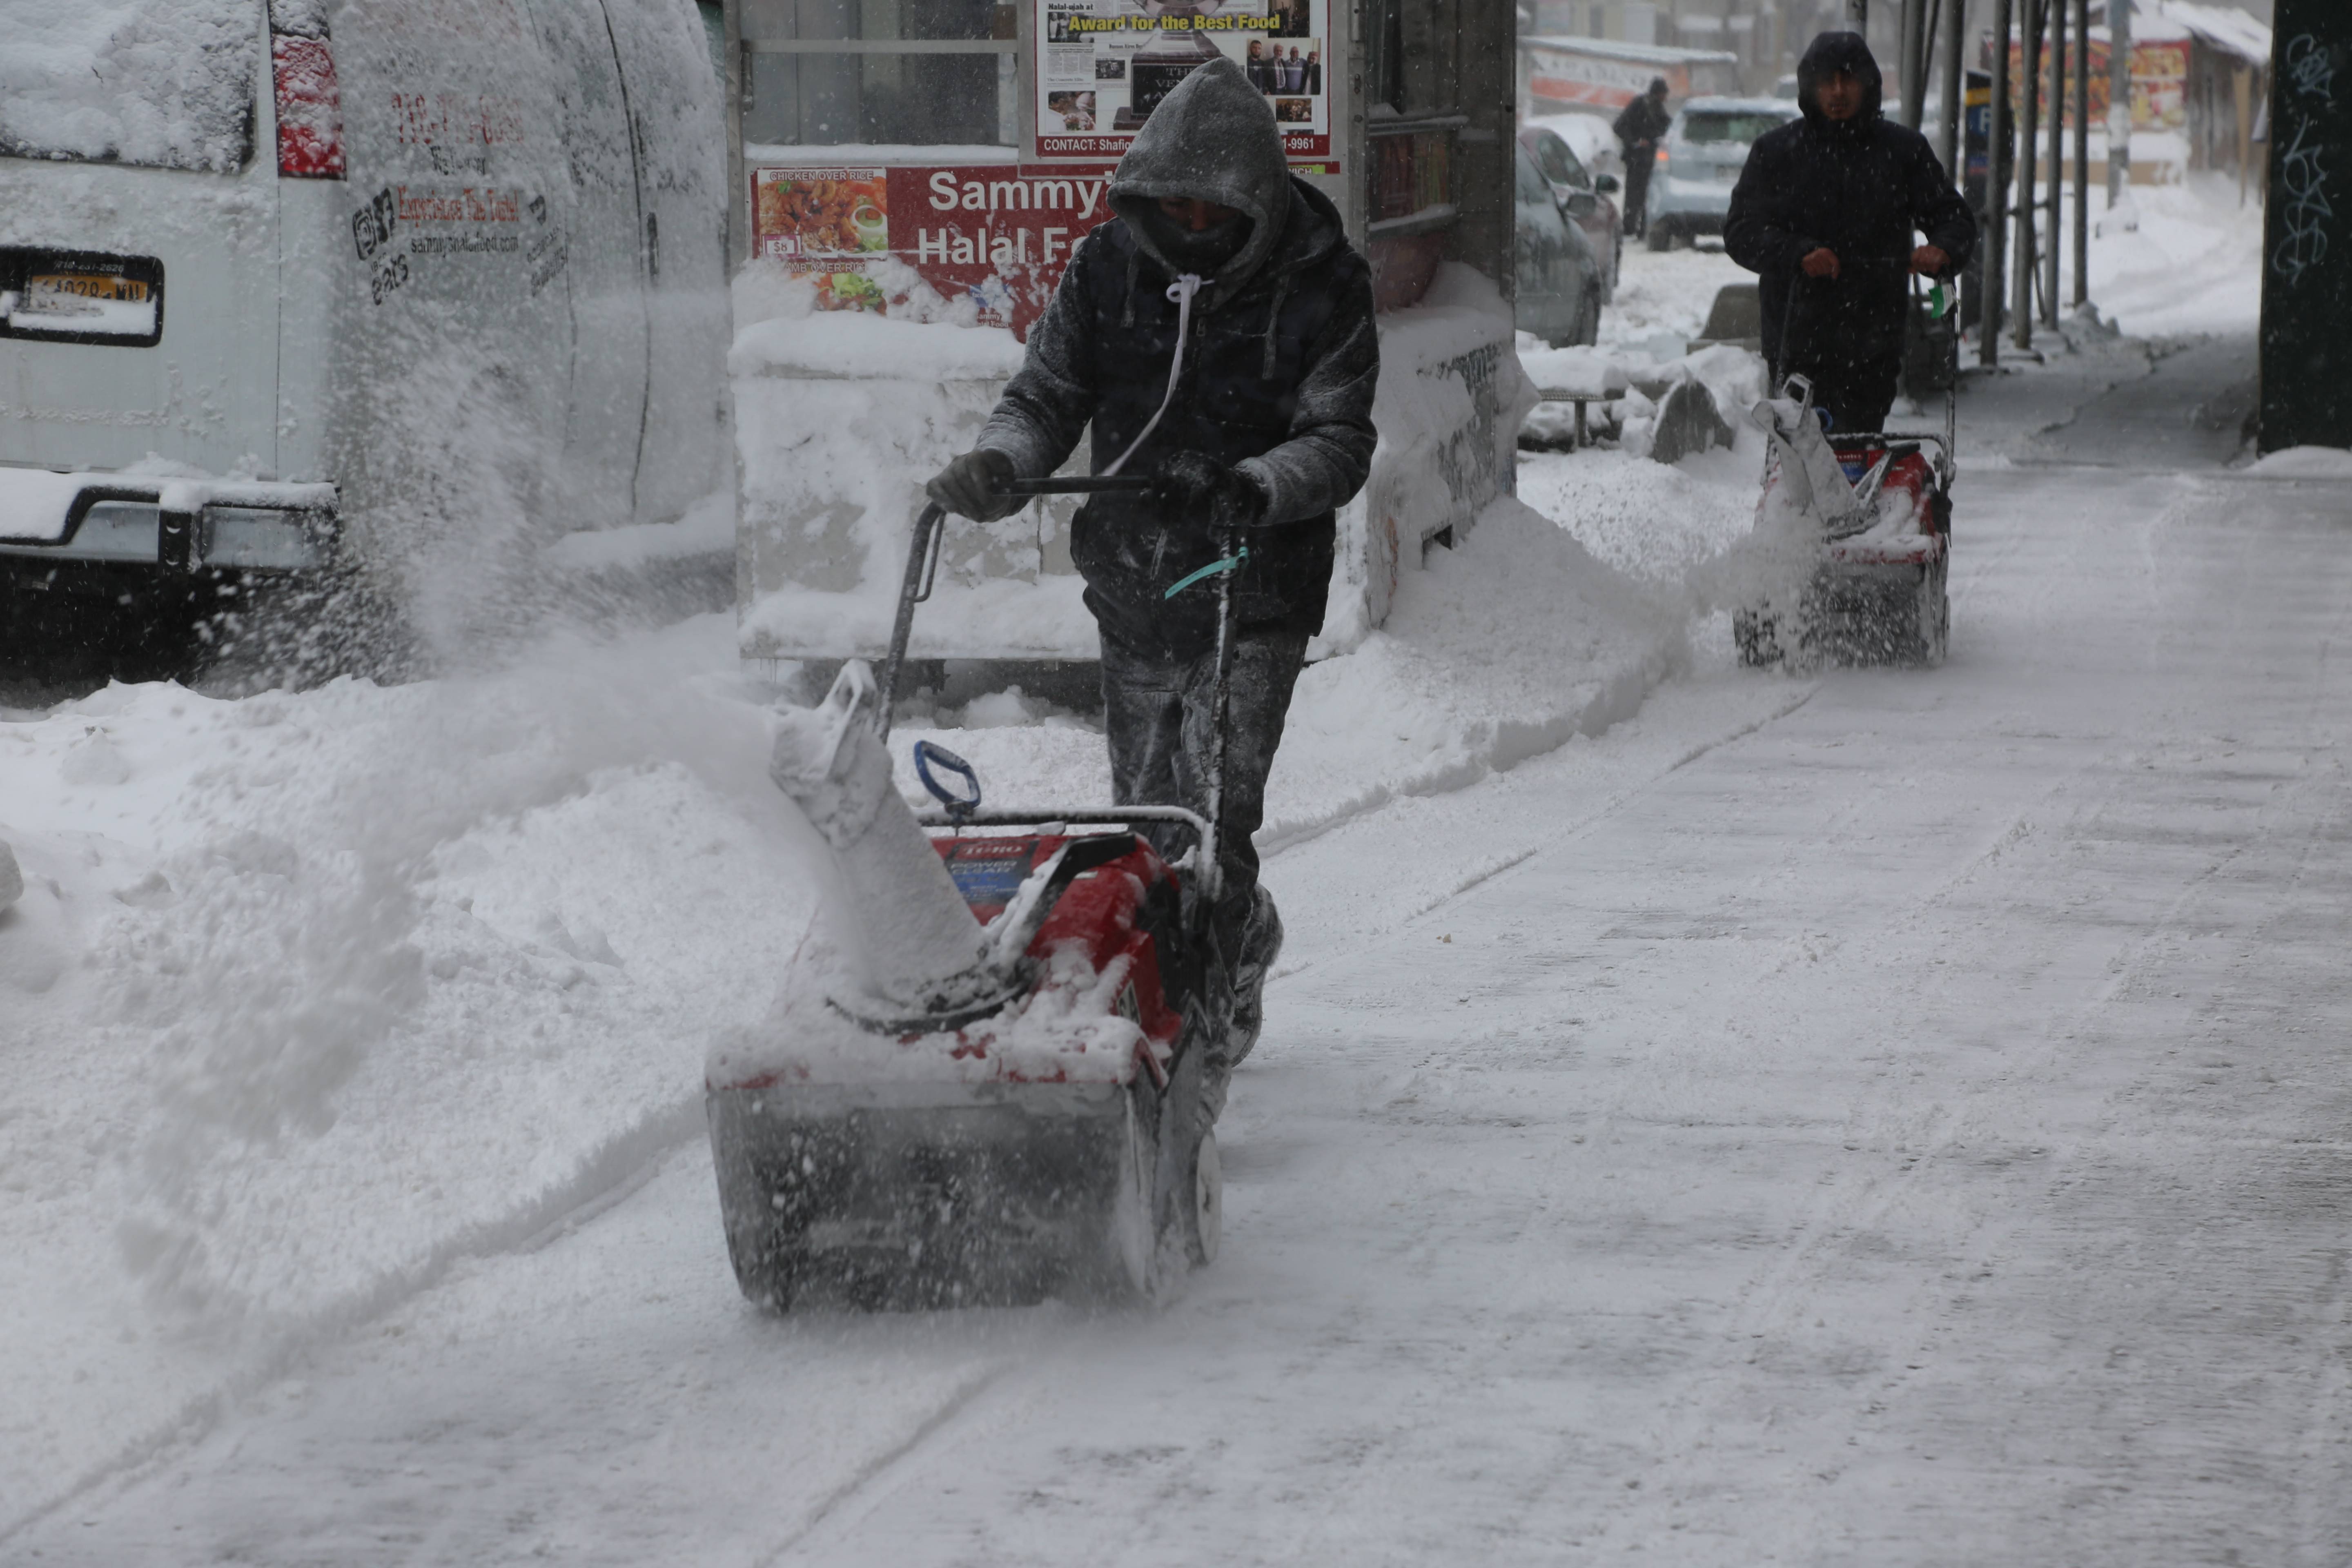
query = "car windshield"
{"x": 1742, "y": 126}
{"x": 1558, "y": 164}
{"x": 163, "y": 84}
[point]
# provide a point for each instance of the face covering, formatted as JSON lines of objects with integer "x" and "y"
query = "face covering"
{"x": 1203, "y": 251}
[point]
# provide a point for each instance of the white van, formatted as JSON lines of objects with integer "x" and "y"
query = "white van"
{"x": 293, "y": 284}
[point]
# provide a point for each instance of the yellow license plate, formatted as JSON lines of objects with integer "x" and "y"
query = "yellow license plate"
{"x": 77, "y": 293}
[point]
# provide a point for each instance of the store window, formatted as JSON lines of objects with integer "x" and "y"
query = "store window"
{"x": 888, "y": 72}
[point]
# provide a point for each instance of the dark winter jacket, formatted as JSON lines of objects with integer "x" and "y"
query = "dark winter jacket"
{"x": 1278, "y": 371}
{"x": 1639, "y": 125}
{"x": 1859, "y": 187}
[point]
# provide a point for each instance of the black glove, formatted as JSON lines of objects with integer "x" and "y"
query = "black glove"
{"x": 973, "y": 486}
{"x": 1196, "y": 483}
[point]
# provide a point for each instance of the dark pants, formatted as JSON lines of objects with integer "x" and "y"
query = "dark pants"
{"x": 1156, "y": 713}
{"x": 1637, "y": 193}
{"x": 1856, "y": 392}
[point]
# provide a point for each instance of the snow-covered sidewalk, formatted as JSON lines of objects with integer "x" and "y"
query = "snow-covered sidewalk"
{"x": 1887, "y": 1119}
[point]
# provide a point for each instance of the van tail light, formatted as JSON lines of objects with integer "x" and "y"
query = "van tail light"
{"x": 309, "y": 109}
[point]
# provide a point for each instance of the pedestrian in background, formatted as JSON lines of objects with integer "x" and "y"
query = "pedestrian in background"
{"x": 1641, "y": 125}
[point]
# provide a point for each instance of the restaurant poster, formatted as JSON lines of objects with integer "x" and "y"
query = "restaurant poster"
{"x": 1103, "y": 65}
{"x": 2159, "y": 82}
{"x": 996, "y": 235}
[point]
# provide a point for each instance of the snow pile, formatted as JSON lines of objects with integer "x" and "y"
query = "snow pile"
{"x": 1440, "y": 458}
{"x": 1652, "y": 523}
{"x": 167, "y": 85}
{"x": 1498, "y": 649}
{"x": 310, "y": 995}
{"x": 2303, "y": 463}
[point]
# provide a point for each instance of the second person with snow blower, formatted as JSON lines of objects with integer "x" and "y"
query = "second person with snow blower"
{"x": 1826, "y": 210}
{"x": 1219, "y": 337}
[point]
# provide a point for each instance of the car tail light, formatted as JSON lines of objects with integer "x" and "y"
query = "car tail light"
{"x": 309, "y": 109}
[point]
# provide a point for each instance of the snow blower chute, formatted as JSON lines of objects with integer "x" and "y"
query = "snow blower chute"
{"x": 1866, "y": 518}
{"x": 981, "y": 1082}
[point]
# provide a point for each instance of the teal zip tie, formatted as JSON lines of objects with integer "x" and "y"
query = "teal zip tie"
{"x": 1211, "y": 570}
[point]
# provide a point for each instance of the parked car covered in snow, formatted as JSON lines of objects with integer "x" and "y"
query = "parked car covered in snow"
{"x": 1602, "y": 221}
{"x": 393, "y": 285}
{"x": 1700, "y": 160}
{"x": 1559, "y": 279}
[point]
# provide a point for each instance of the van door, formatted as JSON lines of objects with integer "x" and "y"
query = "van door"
{"x": 428, "y": 320}
{"x": 680, "y": 144}
{"x": 604, "y": 275}
{"x": 138, "y": 237}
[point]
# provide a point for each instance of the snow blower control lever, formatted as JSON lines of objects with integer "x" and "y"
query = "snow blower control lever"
{"x": 923, "y": 564}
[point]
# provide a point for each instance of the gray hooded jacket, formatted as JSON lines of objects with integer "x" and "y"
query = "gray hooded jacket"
{"x": 1280, "y": 362}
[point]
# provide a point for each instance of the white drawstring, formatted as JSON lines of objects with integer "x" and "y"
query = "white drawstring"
{"x": 1181, "y": 291}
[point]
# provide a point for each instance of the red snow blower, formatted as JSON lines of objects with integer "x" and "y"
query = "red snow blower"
{"x": 981, "y": 1084}
{"x": 1879, "y": 507}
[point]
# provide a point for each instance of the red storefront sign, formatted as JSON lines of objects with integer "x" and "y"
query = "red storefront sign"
{"x": 996, "y": 235}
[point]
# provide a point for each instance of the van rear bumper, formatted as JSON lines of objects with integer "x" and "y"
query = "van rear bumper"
{"x": 170, "y": 524}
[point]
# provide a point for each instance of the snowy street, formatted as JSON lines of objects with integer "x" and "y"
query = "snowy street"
{"x": 1897, "y": 1117}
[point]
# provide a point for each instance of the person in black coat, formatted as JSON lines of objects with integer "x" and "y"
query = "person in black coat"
{"x": 1826, "y": 211}
{"x": 1266, "y": 432}
{"x": 1641, "y": 125}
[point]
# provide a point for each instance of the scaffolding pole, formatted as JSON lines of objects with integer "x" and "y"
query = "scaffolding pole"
{"x": 2029, "y": 72}
{"x": 2081, "y": 153}
{"x": 1956, "y": 32}
{"x": 2054, "y": 238}
{"x": 1996, "y": 234}
{"x": 2119, "y": 128}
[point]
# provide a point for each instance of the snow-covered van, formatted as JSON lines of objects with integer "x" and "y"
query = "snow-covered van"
{"x": 287, "y": 284}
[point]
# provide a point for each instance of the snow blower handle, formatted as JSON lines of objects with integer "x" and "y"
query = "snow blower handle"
{"x": 923, "y": 564}
{"x": 959, "y": 806}
{"x": 1082, "y": 485}
{"x": 1212, "y": 877}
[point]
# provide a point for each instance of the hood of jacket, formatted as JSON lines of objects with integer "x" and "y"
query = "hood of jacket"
{"x": 1212, "y": 139}
{"x": 1827, "y": 54}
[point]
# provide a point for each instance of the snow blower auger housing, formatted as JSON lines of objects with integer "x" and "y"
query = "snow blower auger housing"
{"x": 1873, "y": 511}
{"x": 981, "y": 1084}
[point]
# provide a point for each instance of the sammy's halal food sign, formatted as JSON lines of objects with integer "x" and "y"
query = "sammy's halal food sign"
{"x": 870, "y": 239}
{"x": 1103, "y": 65}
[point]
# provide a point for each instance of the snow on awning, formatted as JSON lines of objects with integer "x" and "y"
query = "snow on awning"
{"x": 2231, "y": 32}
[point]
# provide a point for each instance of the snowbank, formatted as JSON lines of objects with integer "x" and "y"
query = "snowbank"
{"x": 2303, "y": 463}
{"x": 1504, "y": 647}
{"x": 1448, "y": 408}
{"x": 310, "y": 996}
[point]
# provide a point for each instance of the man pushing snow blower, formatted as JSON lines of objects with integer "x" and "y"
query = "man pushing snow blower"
{"x": 1219, "y": 336}
{"x": 1826, "y": 210}
{"x": 1852, "y": 531}
{"x": 993, "y": 1067}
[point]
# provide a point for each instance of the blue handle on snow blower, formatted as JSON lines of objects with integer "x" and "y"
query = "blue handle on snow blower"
{"x": 926, "y": 754}
{"x": 1230, "y": 563}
